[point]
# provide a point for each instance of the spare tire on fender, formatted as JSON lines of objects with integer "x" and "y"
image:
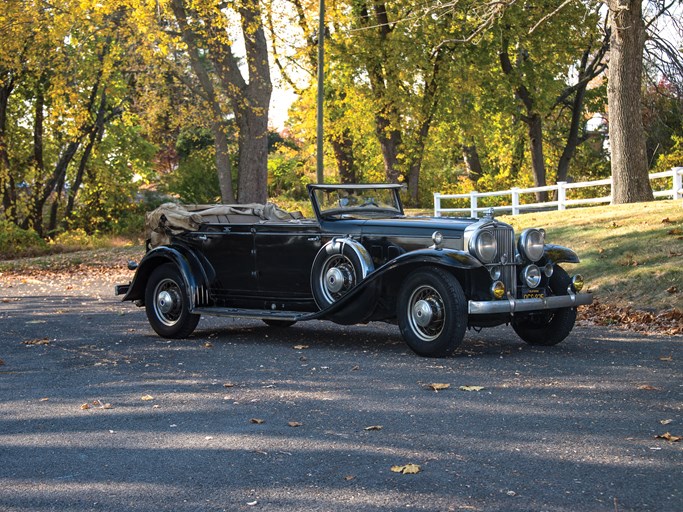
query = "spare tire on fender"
{"x": 340, "y": 266}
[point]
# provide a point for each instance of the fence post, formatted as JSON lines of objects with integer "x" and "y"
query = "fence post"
{"x": 677, "y": 189}
{"x": 473, "y": 205}
{"x": 515, "y": 200}
{"x": 437, "y": 204}
{"x": 561, "y": 195}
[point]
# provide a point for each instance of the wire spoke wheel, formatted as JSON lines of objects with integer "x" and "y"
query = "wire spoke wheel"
{"x": 432, "y": 312}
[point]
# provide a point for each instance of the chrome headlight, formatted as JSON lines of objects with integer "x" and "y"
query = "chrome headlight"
{"x": 531, "y": 276}
{"x": 532, "y": 244}
{"x": 484, "y": 246}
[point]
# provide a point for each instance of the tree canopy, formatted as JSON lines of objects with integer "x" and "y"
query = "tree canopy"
{"x": 104, "y": 104}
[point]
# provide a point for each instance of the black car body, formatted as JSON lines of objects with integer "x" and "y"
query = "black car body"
{"x": 361, "y": 259}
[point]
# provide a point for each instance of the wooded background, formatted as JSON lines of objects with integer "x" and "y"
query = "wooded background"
{"x": 107, "y": 108}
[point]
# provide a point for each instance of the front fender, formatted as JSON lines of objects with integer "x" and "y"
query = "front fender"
{"x": 559, "y": 254}
{"x": 189, "y": 264}
{"x": 449, "y": 258}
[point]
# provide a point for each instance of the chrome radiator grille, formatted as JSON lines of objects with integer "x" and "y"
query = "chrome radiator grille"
{"x": 505, "y": 239}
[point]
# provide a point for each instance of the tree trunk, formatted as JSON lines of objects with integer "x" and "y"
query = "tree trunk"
{"x": 197, "y": 62}
{"x": 35, "y": 218}
{"x": 390, "y": 141}
{"x": 343, "y": 152}
{"x": 573, "y": 139}
{"x": 223, "y": 164}
{"x": 535, "y": 124}
{"x": 6, "y": 178}
{"x": 251, "y": 107}
{"x": 630, "y": 181}
{"x": 253, "y": 156}
{"x": 470, "y": 155}
{"x": 532, "y": 119}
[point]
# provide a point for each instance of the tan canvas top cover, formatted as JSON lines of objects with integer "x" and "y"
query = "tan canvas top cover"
{"x": 172, "y": 219}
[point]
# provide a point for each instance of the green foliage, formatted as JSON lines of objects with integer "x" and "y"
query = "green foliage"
{"x": 195, "y": 181}
{"x": 17, "y": 243}
{"x": 673, "y": 158}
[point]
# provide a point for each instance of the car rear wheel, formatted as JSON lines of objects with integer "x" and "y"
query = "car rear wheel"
{"x": 166, "y": 303}
{"x": 548, "y": 328}
{"x": 432, "y": 312}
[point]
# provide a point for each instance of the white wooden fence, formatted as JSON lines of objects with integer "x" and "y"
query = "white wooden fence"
{"x": 561, "y": 202}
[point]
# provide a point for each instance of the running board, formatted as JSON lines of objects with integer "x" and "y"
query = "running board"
{"x": 261, "y": 314}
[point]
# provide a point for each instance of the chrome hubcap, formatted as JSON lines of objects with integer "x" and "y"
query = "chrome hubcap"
{"x": 335, "y": 280}
{"x": 168, "y": 302}
{"x": 426, "y": 313}
{"x": 165, "y": 302}
{"x": 337, "y": 277}
{"x": 422, "y": 312}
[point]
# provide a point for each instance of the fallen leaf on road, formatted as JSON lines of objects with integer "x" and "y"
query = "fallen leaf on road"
{"x": 85, "y": 406}
{"x": 349, "y": 477}
{"x": 667, "y": 358}
{"x": 408, "y": 469}
{"x": 147, "y": 398}
{"x": 228, "y": 385}
{"x": 471, "y": 388}
{"x": 668, "y": 437}
{"x": 438, "y": 386}
{"x": 252, "y": 503}
{"x": 257, "y": 421}
{"x": 648, "y": 387}
{"x": 208, "y": 344}
{"x": 2, "y": 362}
{"x": 374, "y": 427}
{"x": 294, "y": 424}
{"x": 665, "y": 422}
{"x": 44, "y": 399}
{"x": 300, "y": 347}
{"x": 37, "y": 341}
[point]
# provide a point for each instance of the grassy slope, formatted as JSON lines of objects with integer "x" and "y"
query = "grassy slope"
{"x": 630, "y": 254}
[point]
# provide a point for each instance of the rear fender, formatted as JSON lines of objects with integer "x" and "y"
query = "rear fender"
{"x": 192, "y": 267}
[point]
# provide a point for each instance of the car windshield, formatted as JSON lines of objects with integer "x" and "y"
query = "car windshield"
{"x": 358, "y": 202}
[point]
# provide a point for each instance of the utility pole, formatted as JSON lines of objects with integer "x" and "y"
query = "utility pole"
{"x": 321, "y": 80}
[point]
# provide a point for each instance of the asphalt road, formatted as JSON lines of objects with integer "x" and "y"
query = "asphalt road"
{"x": 247, "y": 417}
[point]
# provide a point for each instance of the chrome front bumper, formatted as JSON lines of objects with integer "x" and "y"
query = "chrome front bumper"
{"x": 511, "y": 305}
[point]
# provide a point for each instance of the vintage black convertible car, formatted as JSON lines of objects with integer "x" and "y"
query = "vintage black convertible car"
{"x": 361, "y": 259}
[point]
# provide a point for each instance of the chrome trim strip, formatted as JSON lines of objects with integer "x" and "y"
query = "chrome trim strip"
{"x": 512, "y": 305}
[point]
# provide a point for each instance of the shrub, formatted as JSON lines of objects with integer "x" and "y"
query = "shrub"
{"x": 16, "y": 242}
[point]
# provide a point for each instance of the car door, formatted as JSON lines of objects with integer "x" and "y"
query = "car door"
{"x": 284, "y": 256}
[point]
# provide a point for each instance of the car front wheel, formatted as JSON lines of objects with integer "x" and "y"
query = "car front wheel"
{"x": 432, "y": 312}
{"x": 548, "y": 328}
{"x": 166, "y": 303}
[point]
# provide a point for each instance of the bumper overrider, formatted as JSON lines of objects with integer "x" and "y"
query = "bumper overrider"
{"x": 511, "y": 305}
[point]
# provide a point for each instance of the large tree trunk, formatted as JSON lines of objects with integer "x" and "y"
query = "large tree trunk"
{"x": 253, "y": 155}
{"x": 626, "y": 134}
{"x": 198, "y": 64}
{"x": 251, "y": 108}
